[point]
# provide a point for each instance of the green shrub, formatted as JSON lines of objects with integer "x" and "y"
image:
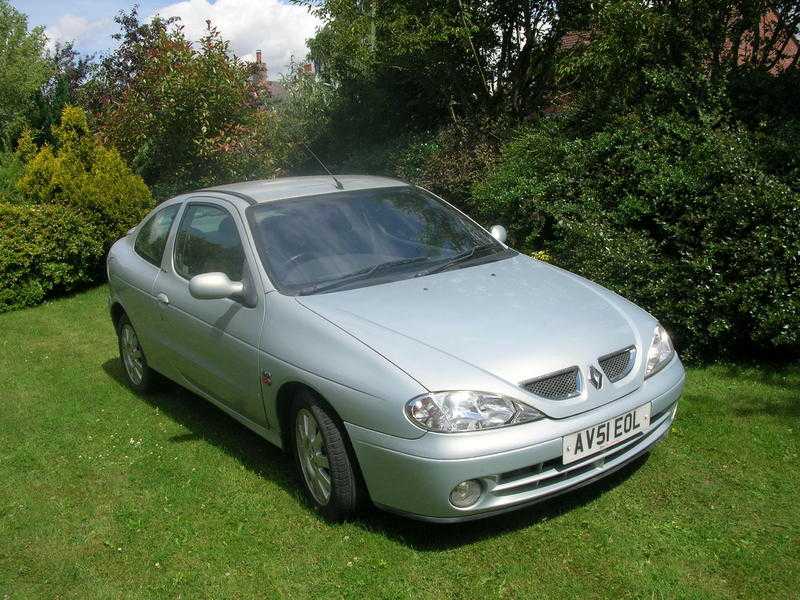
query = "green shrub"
{"x": 677, "y": 216}
{"x": 450, "y": 162}
{"x": 45, "y": 250}
{"x": 74, "y": 201}
{"x": 376, "y": 159}
{"x": 10, "y": 171}
{"x": 778, "y": 145}
{"x": 82, "y": 174}
{"x": 171, "y": 106}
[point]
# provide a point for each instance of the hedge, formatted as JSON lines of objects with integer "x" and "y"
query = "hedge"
{"x": 680, "y": 217}
{"x": 82, "y": 174}
{"x": 72, "y": 201}
{"x": 45, "y": 250}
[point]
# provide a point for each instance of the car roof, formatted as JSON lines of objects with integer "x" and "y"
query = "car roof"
{"x": 267, "y": 190}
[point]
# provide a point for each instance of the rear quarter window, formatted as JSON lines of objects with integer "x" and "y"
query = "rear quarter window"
{"x": 152, "y": 237}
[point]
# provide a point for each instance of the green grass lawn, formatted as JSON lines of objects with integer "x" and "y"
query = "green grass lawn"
{"x": 104, "y": 493}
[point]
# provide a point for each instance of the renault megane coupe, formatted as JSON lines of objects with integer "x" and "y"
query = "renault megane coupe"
{"x": 399, "y": 351}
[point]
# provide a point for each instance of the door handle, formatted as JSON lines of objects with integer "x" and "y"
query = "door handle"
{"x": 163, "y": 298}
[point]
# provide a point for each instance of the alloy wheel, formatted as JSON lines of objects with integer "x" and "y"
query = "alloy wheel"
{"x": 313, "y": 456}
{"x": 132, "y": 356}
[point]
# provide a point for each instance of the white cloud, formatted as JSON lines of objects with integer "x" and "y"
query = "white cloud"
{"x": 279, "y": 30}
{"x": 84, "y": 32}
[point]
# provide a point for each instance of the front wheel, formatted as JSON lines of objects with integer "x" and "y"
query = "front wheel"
{"x": 322, "y": 459}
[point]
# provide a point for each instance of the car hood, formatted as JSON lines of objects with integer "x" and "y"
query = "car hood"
{"x": 493, "y": 326}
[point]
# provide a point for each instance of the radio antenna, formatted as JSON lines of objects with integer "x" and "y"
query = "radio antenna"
{"x": 339, "y": 185}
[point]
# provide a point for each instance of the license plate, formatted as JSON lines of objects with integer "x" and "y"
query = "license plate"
{"x": 602, "y": 436}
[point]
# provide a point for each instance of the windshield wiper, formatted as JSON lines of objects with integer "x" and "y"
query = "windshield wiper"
{"x": 361, "y": 274}
{"x": 458, "y": 258}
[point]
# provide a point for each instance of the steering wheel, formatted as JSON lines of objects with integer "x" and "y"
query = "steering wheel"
{"x": 298, "y": 259}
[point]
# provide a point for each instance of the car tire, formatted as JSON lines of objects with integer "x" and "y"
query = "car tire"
{"x": 323, "y": 461}
{"x": 134, "y": 364}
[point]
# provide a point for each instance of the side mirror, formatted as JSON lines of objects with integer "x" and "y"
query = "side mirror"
{"x": 215, "y": 286}
{"x": 499, "y": 233}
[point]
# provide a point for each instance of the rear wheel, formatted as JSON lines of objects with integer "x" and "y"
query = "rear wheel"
{"x": 134, "y": 364}
{"x": 322, "y": 459}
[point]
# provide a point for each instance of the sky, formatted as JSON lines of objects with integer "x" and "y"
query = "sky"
{"x": 275, "y": 27}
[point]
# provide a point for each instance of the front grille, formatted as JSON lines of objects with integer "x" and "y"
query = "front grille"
{"x": 619, "y": 364}
{"x": 556, "y": 386}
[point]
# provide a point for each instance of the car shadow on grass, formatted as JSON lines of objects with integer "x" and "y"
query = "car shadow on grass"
{"x": 782, "y": 401}
{"x": 209, "y": 424}
{"x": 776, "y": 392}
{"x": 203, "y": 421}
{"x": 753, "y": 404}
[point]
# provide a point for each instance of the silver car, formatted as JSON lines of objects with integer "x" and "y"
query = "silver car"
{"x": 400, "y": 352}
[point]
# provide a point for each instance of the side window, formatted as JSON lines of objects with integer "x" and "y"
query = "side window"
{"x": 207, "y": 242}
{"x": 152, "y": 237}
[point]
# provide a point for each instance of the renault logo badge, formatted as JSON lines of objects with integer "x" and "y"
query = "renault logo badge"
{"x": 595, "y": 377}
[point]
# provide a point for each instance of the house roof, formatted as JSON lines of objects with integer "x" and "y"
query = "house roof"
{"x": 574, "y": 38}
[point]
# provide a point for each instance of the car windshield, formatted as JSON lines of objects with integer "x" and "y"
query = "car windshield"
{"x": 349, "y": 239}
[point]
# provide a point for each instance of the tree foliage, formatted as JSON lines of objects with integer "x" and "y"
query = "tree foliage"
{"x": 176, "y": 110}
{"x": 411, "y": 65}
{"x": 694, "y": 56}
{"x": 80, "y": 173}
{"x": 23, "y": 67}
{"x": 414, "y": 65}
{"x": 677, "y": 215}
{"x": 69, "y": 72}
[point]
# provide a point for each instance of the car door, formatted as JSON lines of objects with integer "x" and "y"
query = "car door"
{"x": 214, "y": 342}
{"x": 133, "y": 269}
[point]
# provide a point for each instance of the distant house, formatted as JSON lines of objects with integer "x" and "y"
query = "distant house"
{"x": 774, "y": 48}
{"x": 261, "y": 82}
{"x": 574, "y": 38}
{"x": 275, "y": 89}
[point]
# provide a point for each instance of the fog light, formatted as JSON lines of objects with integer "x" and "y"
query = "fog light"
{"x": 466, "y": 493}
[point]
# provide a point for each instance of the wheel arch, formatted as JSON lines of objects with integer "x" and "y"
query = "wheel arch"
{"x": 117, "y": 312}
{"x": 284, "y": 399}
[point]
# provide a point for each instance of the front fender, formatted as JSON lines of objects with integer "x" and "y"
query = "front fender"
{"x": 364, "y": 388}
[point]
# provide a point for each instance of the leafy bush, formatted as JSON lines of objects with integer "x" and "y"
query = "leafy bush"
{"x": 73, "y": 202}
{"x": 257, "y": 148}
{"x": 181, "y": 112}
{"x": 23, "y": 67}
{"x": 778, "y": 145}
{"x": 450, "y": 162}
{"x": 82, "y": 174}
{"x": 44, "y": 250}
{"x": 676, "y": 215}
{"x": 11, "y": 168}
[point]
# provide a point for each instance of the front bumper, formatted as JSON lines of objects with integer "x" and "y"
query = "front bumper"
{"x": 517, "y": 466}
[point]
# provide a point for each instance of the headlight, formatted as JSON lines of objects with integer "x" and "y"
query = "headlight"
{"x": 453, "y": 412}
{"x": 660, "y": 352}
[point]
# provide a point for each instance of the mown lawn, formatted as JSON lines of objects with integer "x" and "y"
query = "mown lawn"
{"x": 104, "y": 493}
